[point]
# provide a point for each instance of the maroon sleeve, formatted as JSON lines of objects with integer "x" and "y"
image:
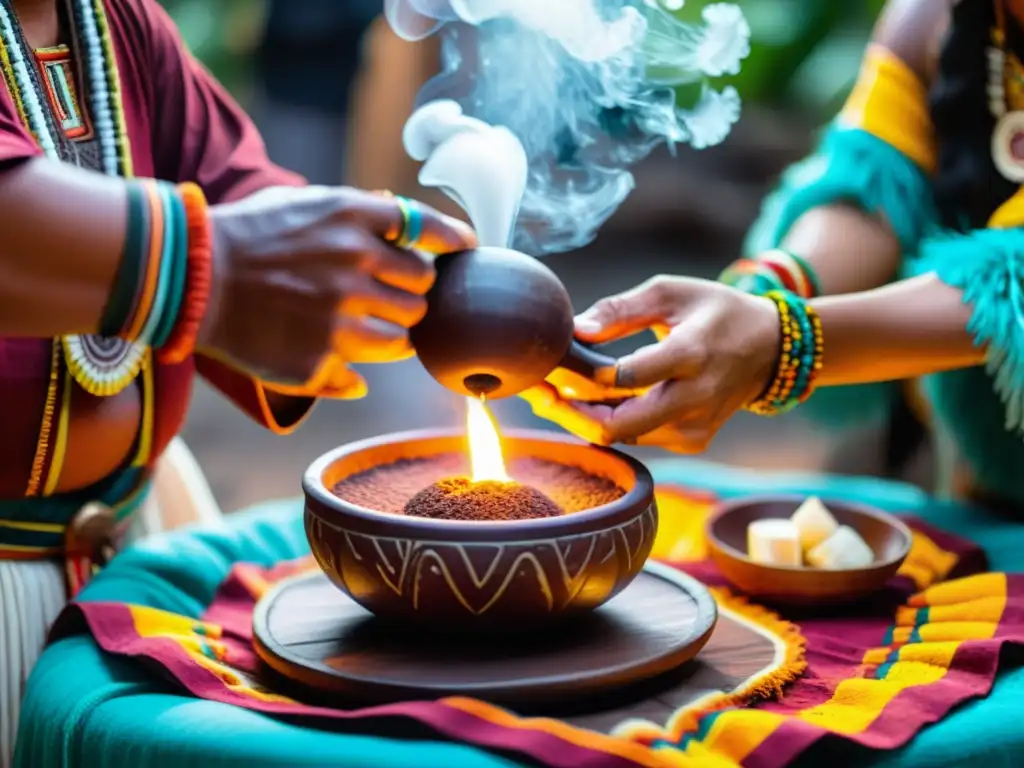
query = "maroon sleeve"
{"x": 200, "y": 134}
{"x": 212, "y": 142}
{"x": 16, "y": 143}
{"x": 278, "y": 413}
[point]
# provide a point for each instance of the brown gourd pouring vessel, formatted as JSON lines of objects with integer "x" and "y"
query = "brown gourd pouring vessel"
{"x": 471, "y": 574}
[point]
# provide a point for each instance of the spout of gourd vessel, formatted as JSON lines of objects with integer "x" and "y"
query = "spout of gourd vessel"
{"x": 481, "y": 384}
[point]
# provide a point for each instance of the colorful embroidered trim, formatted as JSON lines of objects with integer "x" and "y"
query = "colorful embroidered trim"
{"x": 144, "y": 452}
{"x": 104, "y": 86}
{"x": 60, "y": 442}
{"x": 58, "y": 77}
{"x": 39, "y": 460}
{"x": 802, "y": 348}
{"x": 19, "y": 81}
{"x": 101, "y": 367}
{"x": 31, "y": 529}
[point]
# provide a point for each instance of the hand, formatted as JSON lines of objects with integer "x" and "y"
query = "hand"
{"x": 716, "y": 352}
{"x": 567, "y": 398}
{"x": 307, "y": 282}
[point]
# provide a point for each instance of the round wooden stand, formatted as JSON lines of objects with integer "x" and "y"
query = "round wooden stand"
{"x": 319, "y": 640}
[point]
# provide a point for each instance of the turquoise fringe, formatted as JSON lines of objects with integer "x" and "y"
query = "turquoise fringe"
{"x": 851, "y": 166}
{"x": 988, "y": 266}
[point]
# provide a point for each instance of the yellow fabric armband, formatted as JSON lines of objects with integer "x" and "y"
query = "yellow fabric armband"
{"x": 890, "y": 102}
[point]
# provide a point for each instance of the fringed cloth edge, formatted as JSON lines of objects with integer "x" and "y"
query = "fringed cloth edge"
{"x": 790, "y": 662}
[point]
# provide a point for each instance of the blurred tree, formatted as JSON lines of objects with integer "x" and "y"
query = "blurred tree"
{"x": 803, "y": 56}
{"x": 308, "y": 62}
{"x": 223, "y": 34}
{"x": 803, "y": 53}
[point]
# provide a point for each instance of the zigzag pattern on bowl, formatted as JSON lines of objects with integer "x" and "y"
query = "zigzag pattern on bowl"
{"x": 551, "y": 576}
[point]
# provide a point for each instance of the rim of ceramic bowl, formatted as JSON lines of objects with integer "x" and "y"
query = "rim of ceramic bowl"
{"x": 313, "y": 486}
{"x": 731, "y": 505}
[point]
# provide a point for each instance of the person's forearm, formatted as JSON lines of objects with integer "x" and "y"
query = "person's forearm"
{"x": 849, "y": 250}
{"x": 63, "y": 231}
{"x": 904, "y": 330}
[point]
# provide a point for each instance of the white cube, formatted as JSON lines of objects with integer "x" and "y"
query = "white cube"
{"x": 774, "y": 542}
{"x": 843, "y": 550}
{"x": 814, "y": 523}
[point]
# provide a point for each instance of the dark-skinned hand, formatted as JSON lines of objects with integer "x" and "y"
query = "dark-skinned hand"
{"x": 307, "y": 281}
{"x": 716, "y": 351}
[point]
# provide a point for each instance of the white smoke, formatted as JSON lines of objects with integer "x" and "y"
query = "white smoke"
{"x": 542, "y": 106}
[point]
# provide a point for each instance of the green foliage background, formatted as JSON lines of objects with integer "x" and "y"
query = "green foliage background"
{"x": 804, "y": 52}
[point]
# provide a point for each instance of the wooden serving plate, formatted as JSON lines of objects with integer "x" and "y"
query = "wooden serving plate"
{"x": 321, "y": 643}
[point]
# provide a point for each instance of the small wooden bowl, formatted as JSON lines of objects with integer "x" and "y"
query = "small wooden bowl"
{"x": 888, "y": 538}
{"x": 479, "y": 575}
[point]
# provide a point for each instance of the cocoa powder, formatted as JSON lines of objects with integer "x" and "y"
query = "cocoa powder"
{"x": 389, "y": 487}
{"x": 459, "y": 498}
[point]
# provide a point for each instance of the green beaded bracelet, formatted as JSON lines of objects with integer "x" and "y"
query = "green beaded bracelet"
{"x": 800, "y": 356}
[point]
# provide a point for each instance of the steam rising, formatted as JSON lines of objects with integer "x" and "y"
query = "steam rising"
{"x": 542, "y": 106}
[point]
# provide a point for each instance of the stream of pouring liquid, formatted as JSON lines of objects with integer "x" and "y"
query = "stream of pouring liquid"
{"x": 485, "y": 455}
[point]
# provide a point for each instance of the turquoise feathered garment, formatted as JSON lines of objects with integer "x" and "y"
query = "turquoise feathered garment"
{"x": 988, "y": 266}
{"x": 849, "y": 166}
{"x": 983, "y": 408}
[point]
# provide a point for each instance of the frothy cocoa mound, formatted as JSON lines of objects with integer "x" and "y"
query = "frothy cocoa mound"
{"x": 389, "y": 487}
{"x": 459, "y": 498}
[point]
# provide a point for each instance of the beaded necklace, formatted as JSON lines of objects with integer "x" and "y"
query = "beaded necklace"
{"x": 100, "y": 365}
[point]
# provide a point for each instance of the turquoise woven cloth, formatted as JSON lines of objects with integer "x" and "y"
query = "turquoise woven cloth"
{"x": 86, "y": 709}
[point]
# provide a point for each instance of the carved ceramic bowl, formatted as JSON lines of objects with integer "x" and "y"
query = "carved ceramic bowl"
{"x": 479, "y": 575}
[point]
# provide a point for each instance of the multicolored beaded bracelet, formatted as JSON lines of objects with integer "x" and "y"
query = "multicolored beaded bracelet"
{"x": 163, "y": 283}
{"x": 198, "y": 278}
{"x": 776, "y": 269}
{"x": 748, "y": 276}
{"x": 154, "y": 252}
{"x": 802, "y": 348}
